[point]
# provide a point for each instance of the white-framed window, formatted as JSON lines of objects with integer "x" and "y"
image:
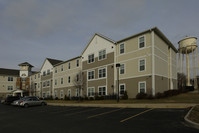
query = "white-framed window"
{"x": 44, "y": 73}
{"x": 102, "y": 54}
{"x": 55, "y": 69}
{"x": 142, "y": 87}
{"x": 10, "y": 88}
{"x": 91, "y": 58}
{"x": 55, "y": 93}
{"x": 77, "y": 92}
{"x": 48, "y": 72}
{"x": 44, "y": 84}
{"x": 141, "y": 41}
{"x": 44, "y": 94}
{"x": 122, "y": 50}
{"x": 69, "y": 93}
{"x": 77, "y": 77}
{"x": 48, "y": 83}
{"x": 38, "y": 85}
{"x": 102, "y": 91}
{"x": 142, "y": 65}
{"x": 55, "y": 81}
{"x": 10, "y": 78}
{"x": 48, "y": 94}
{"x": 102, "y": 72}
{"x": 61, "y": 94}
{"x": 68, "y": 79}
{"x": 62, "y": 67}
{"x": 62, "y": 80}
{"x": 77, "y": 63}
{"x": 122, "y": 89}
{"x": 122, "y": 69}
{"x": 91, "y": 75}
{"x": 38, "y": 75}
{"x": 91, "y": 92}
{"x": 68, "y": 65}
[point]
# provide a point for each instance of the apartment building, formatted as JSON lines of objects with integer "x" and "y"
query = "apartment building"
{"x": 147, "y": 64}
{"x": 67, "y": 78}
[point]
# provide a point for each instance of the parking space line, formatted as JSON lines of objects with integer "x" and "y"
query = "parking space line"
{"x": 104, "y": 113}
{"x": 81, "y": 111}
{"x": 136, "y": 115}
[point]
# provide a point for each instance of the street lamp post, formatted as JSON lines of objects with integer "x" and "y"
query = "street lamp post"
{"x": 118, "y": 66}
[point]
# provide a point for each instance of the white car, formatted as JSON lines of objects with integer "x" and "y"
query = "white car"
{"x": 31, "y": 101}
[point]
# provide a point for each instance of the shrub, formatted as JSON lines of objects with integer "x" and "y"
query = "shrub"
{"x": 66, "y": 98}
{"x": 99, "y": 97}
{"x": 91, "y": 98}
{"x": 159, "y": 95}
{"x": 125, "y": 96}
{"x": 141, "y": 96}
{"x": 56, "y": 98}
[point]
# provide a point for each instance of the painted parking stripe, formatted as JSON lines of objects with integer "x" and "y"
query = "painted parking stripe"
{"x": 82, "y": 111}
{"x": 136, "y": 115}
{"x": 104, "y": 113}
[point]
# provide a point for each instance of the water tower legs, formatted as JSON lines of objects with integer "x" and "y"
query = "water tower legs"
{"x": 188, "y": 72}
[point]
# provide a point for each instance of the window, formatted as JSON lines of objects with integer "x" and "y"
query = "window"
{"x": 44, "y": 73}
{"x": 55, "y": 69}
{"x": 55, "y": 93}
{"x": 69, "y": 92}
{"x": 77, "y": 63}
{"x": 121, "y": 48}
{"x": 10, "y": 88}
{"x": 55, "y": 81}
{"x": 77, "y": 77}
{"x": 44, "y": 95}
{"x": 102, "y": 73}
{"x": 69, "y": 65}
{"x": 44, "y": 84}
{"x": 142, "y": 65}
{"x": 91, "y": 92}
{"x": 122, "y": 69}
{"x": 141, "y": 42}
{"x": 10, "y": 78}
{"x": 23, "y": 79}
{"x": 48, "y": 94}
{"x": 47, "y": 83}
{"x": 62, "y": 80}
{"x": 91, "y": 75}
{"x": 102, "y": 54}
{"x": 68, "y": 79}
{"x": 38, "y": 85}
{"x": 48, "y": 72}
{"x": 91, "y": 58}
{"x": 61, "y": 94}
{"x": 122, "y": 89}
{"x": 142, "y": 87}
{"x": 39, "y": 75}
{"x": 77, "y": 92}
{"x": 62, "y": 68}
{"x": 102, "y": 91}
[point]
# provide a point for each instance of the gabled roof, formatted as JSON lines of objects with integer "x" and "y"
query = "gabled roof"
{"x": 100, "y": 35}
{"x": 26, "y": 64}
{"x": 158, "y": 32}
{"x": 10, "y": 72}
{"x": 54, "y": 61}
{"x": 67, "y": 61}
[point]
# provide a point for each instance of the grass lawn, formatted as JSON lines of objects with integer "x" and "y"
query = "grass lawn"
{"x": 181, "y": 98}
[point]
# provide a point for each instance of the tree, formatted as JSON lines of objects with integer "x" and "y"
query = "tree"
{"x": 79, "y": 82}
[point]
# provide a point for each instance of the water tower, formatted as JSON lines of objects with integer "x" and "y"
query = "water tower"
{"x": 188, "y": 48}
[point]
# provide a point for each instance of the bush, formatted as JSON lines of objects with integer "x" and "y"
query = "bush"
{"x": 170, "y": 93}
{"x": 56, "y": 98}
{"x": 125, "y": 96}
{"x": 91, "y": 98}
{"x": 141, "y": 96}
{"x": 99, "y": 97}
{"x": 66, "y": 98}
{"x": 159, "y": 95}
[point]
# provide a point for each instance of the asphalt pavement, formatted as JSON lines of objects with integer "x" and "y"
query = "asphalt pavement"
{"x": 68, "y": 119}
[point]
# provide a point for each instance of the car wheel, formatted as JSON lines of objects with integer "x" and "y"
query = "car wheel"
{"x": 42, "y": 104}
{"x": 26, "y": 105}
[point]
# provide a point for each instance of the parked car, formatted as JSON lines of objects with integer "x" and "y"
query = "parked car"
{"x": 10, "y": 99}
{"x": 31, "y": 101}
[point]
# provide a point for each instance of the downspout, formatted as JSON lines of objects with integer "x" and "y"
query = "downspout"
{"x": 153, "y": 62}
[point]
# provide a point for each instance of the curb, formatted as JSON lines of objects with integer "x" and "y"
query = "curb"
{"x": 189, "y": 122}
{"x": 127, "y": 105}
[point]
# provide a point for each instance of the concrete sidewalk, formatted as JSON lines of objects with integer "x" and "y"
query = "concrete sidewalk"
{"x": 159, "y": 105}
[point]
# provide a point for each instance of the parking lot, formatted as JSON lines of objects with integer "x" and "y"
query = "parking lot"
{"x": 57, "y": 119}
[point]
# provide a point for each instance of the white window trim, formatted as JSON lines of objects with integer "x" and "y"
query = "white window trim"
{"x": 87, "y": 91}
{"x": 55, "y": 92}
{"x": 119, "y": 48}
{"x": 60, "y": 93}
{"x": 69, "y": 65}
{"x": 88, "y": 58}
{"x": 124, "y": 88}
{"x": 99, "y": 55}
{"x": 61, "y": 80}
{"x": 144, "y": 42}
{"x": 105, "y": 71}
{"x": 77, "y": 63}
{"x": 105, "y": 91}
{"x": 69, "y": 90}
{"x": 139, "y": 85}
{"x": 144, "y": 64}
{"x": 124, "y": 68}
{"x": 88, "y": 75}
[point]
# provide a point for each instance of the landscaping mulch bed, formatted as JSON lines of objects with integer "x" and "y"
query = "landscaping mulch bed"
{"x": 194, "y": 115}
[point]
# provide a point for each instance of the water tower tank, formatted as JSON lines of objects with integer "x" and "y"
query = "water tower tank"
{"x": 187, "y": 45}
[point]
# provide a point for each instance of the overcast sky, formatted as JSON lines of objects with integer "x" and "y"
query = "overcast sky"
{"x": 31, "y": 30}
